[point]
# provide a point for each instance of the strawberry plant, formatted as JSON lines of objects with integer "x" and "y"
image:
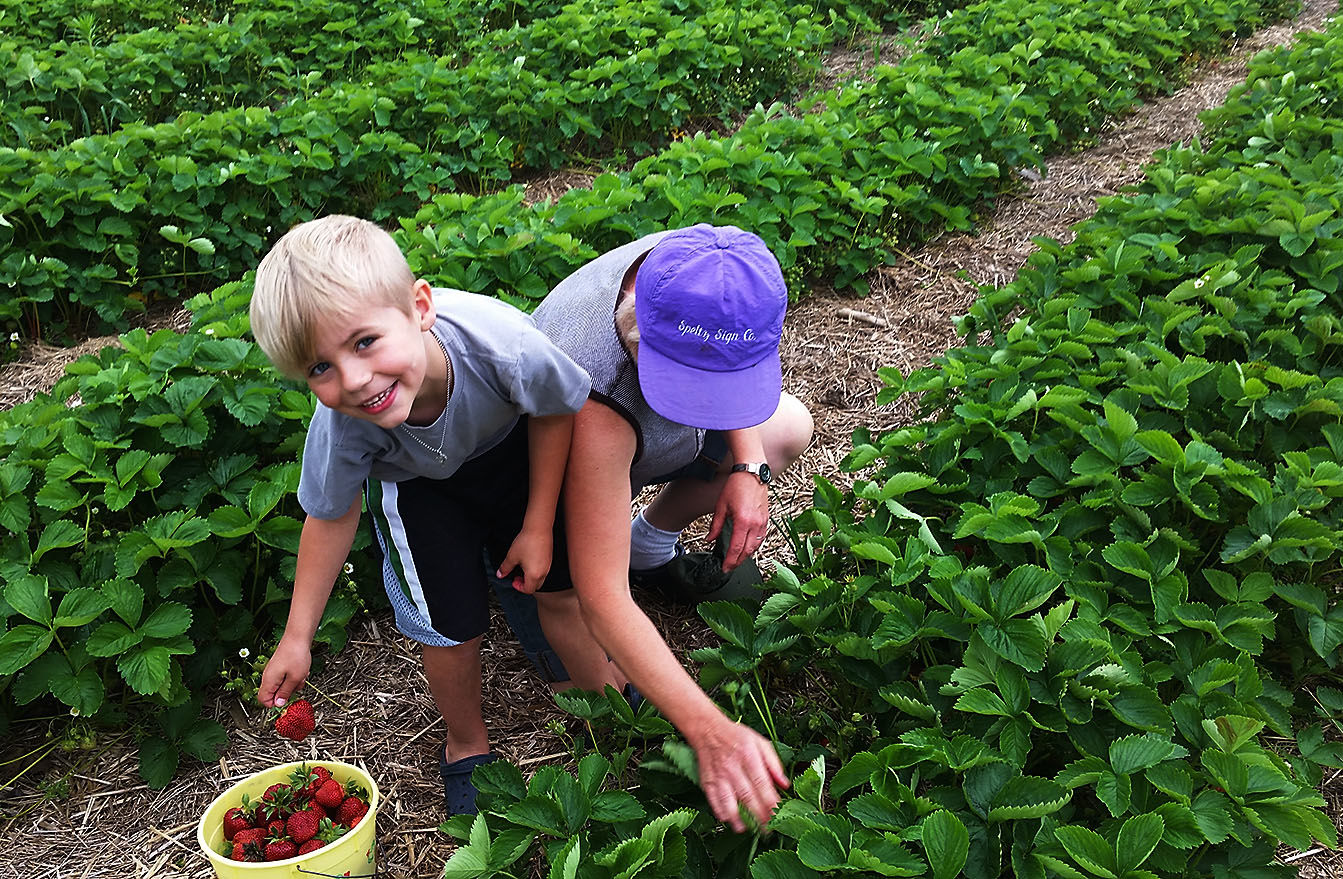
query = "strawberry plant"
{"x": 130, "y": 547}
{"x": 911, "y": 152}
{"x": 1079, "y": 619}
{"x": 168, "y": 202}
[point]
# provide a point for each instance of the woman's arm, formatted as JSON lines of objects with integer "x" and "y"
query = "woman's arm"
{"x": 743, "y": 499}
{"x": 737, "y": 765}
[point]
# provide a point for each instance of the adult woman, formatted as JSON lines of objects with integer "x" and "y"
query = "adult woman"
{"x": 680, "y": 331}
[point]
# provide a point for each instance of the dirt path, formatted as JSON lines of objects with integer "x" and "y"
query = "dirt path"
{"x": 833, "y": 346}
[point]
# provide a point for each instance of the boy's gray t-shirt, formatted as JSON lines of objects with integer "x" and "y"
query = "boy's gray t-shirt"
{"x": 502, "y": 367}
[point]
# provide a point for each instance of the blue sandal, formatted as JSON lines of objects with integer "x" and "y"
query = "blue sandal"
{"x": 459, "y": 794}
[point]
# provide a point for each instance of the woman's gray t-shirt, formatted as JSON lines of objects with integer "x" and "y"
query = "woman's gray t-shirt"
{"x": 579, "y": 316}
{"x": 503, "y": 367}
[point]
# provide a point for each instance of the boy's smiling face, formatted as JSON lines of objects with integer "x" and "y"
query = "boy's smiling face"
{"x": 382, "y": 365}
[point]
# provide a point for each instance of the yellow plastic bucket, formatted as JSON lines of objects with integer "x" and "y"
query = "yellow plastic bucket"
{"x": 353, "y": 855}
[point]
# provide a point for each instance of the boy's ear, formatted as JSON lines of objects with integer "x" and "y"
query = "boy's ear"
{"x": 422, "y": 304}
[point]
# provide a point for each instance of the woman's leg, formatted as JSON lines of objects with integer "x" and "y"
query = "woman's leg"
{"x": 562, "y": 620}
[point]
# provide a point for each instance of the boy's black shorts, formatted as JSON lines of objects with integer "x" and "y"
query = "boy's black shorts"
{"x": 431, "y": 534}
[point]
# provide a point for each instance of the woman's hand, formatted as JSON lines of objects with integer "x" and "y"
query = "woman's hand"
{"x": 739, "y": 767}
{"x": 746, "y": 502}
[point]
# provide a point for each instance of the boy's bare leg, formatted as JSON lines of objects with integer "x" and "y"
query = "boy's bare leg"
{"x": 562, "y": 620}
{"x": 785, "y": 436}
{"x": 454, "y": 681}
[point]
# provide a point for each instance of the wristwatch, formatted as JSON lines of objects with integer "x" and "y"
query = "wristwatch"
{"x": 760, "y": 471}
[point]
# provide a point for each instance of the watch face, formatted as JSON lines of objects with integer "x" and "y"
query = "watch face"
{"x": 765, "y": 474}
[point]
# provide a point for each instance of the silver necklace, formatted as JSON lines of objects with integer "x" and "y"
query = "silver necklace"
{"x": 447, "y": 396}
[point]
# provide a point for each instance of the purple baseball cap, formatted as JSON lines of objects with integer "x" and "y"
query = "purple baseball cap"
{"x": 709, "y": 302}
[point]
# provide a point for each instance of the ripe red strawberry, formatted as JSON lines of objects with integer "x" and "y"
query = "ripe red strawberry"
{"x": 249, "y": 835}
{"x": 322, "y": 775}
{"x": 329, "y": 832}
{"x": 302, "y": 826}
{"x": 351, "y": 810}
{"x": 276, "y": 802}
{"x": 279, "y": 849}
{"x": 275, "y": 827}
{"x": 296, "y": 720}
{"x": 311, "y": 845}
{"x": 330, "y": 794}
{"x": 235, "y": 819}
{"x": 247, "y": 851}
{"x": 305, "y": 780}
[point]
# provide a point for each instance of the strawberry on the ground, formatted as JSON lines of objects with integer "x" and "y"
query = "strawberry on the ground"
{"x": 235, "y": 819}
{"x": 296, "y": 720}
{"x": 330, "y": 794}
{"x": 302, "y": 826}
{"x": 279, "y": 849}
{"x": 351, "y": 810}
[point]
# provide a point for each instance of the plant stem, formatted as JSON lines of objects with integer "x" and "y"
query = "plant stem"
{"x": 24, "y": 770}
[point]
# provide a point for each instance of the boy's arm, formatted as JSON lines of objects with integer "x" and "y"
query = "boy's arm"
{"x": 322, "y": 548}
{"x": 548, "y": 438}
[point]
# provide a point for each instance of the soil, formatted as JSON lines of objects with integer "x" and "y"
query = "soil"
{"x": 84, "y": 811}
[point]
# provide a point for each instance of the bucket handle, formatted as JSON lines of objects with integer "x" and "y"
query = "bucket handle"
{"x": 372, "y": 875}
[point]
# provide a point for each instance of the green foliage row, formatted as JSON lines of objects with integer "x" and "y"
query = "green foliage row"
{"x": 153, "y": 522}
{"x": 916, "y": 150}
{"x": 341, "y": 34}
{"x": 44, "y": 22}
{"x": 82, "y": 227}
{"x": 860, "y": 17}
{"x": 179, "y": 522}
{"x": 56, "y": 93}
{"x": 1069, "y": 624}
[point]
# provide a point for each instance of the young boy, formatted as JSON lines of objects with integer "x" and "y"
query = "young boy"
{"x": 455, "y": 414}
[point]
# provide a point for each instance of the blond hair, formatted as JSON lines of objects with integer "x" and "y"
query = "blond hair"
{"x": 332, "y": 267}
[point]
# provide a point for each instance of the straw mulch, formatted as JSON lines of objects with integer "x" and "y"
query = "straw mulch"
{"x": 86, "y": 813}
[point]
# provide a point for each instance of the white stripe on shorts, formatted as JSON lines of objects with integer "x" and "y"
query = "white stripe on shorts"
{"x": 397, "y": 535}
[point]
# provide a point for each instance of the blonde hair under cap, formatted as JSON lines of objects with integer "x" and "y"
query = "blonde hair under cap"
{"x": 328, "y": 268}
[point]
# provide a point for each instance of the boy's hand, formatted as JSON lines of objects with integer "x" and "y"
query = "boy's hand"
{"x": 284, "y": 673}
{"x": 532, "y": 552}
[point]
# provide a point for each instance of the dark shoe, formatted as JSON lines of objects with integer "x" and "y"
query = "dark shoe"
{"x": 633, "y": 696}
{"x": 459, "y": 794}
{"x": 692, "y": 577}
